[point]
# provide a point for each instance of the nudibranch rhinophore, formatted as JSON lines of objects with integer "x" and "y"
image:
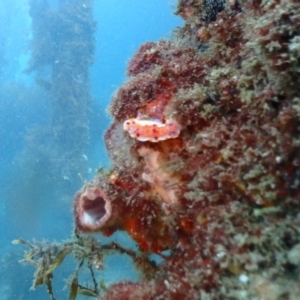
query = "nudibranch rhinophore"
{"x": 151, "y": 130}
{"x": 92, "y": 209}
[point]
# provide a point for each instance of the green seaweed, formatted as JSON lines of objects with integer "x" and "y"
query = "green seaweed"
{"x": 47, "y": 257}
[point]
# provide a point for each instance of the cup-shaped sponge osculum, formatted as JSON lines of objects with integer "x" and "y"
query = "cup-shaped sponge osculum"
{"x": 92, "y": 209}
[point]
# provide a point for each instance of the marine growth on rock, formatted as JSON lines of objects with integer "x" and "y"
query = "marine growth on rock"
{"x": 223, "y": 195}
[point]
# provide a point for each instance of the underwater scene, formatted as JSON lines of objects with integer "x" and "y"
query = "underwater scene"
{"x": 150, "y": 150}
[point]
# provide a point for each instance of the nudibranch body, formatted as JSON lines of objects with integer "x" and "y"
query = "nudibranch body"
{"x": 151, "y": 130}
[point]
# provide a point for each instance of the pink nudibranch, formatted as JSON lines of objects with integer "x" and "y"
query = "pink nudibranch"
{"x": 151, "y": 130}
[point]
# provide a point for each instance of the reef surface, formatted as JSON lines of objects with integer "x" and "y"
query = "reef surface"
{"x": 224, "y": 195}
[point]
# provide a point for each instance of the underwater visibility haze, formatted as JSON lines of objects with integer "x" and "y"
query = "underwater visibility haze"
{"x": 150, "y": 149}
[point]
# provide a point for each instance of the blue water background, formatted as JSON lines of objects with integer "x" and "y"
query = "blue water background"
{"x": 36, "y": 206}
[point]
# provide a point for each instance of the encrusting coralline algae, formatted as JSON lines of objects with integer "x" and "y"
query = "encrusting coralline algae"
{"x": 223, "y": 196}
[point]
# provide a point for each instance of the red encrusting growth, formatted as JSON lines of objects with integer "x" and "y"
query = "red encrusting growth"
{"x": 99, "y": 209}
{"x": 218, "y": 193}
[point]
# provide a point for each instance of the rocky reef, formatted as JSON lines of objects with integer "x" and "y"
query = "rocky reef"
{"x": 220, "y": 200}
{"x": 224, "y": 195}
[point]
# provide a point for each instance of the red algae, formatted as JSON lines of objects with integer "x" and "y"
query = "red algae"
{"x": 224, "y": 195}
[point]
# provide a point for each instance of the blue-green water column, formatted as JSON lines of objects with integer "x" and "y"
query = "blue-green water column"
{"x": 62, "y": 51}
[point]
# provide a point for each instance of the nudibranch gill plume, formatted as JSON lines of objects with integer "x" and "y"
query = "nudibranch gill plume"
{"x": 151, "y": 130}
